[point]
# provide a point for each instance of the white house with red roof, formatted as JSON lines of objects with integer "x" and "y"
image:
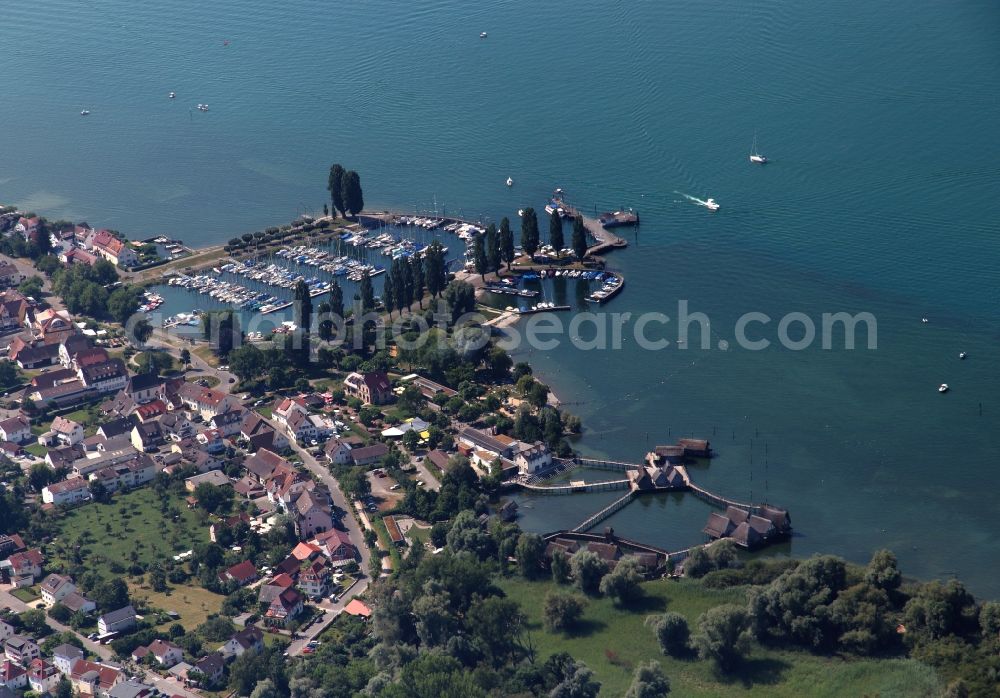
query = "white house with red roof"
{"x": 114, "y": 250}
{"x": 206, "y": 401}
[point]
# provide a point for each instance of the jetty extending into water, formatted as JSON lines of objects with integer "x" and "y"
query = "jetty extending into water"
{"x": 749, "y": 525}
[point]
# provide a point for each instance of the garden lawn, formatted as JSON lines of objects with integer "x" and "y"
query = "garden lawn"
{"x": 194, "y": 604}
{"x": 612, "y": 641}
{"x": 26, "y": 594}
{"x": 152, "y": 535}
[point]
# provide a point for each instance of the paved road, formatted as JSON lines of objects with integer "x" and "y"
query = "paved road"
{"x": 322, "y": 473}
{"x": 172, "y": 344}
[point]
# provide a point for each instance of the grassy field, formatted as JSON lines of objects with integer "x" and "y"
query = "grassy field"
{"x": 612, "y": 641}
{"x": 194, "y": 604}
{"x": 131, "y": 522}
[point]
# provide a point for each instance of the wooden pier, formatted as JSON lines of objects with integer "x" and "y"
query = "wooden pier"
{"x": 604, "y": 513}
{"x": 606, "y": 240}
{"x": 603, "y": 486}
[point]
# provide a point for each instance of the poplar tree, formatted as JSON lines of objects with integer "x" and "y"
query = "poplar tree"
{"x": 353, "y": 200}
{"x": 529, "y": 231}
{"x": 479, "y": 256}
{"x": 506, "y": 242}
{"x": 366, "y": 292}
{"x": 579, "y": 238}
{"x": 335, "y": 185}
{"x": 493, "y": 256}
{"x": 417, "y": 268}
{"x": 556, "y": 231}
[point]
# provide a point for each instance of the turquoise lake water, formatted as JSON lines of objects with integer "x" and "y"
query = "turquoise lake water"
{"x": 881, "y": 197}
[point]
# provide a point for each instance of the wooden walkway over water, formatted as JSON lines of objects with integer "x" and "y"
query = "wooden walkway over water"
{"x": 606, "y": 240}
{"x": 534, "y": 484}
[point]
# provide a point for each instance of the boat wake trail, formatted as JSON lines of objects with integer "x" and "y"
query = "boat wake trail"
{"x": 695, "y": 199}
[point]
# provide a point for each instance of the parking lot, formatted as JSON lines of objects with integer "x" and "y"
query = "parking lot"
{"x": 386, "y": 492}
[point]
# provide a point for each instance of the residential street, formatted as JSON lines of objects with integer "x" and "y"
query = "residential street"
{"x": 168, "y": 686}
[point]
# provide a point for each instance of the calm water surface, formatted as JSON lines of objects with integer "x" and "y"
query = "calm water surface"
{"x": 880, "y": 197}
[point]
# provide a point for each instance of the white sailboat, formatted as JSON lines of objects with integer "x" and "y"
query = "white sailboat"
{"x": 754, "y": 155}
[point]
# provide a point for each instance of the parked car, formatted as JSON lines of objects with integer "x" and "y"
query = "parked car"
{"x": 394, "y": 487}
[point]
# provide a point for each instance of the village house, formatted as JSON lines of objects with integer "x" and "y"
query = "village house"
{"x": 71, "y": 346}
{"x": 211, "y": 667}
{"x": 249, "y": 640}
{"x": 150, "y": 411}
{"x": 21, "y": 650}
{"x": 132, "y": 688}
{"x": 66, "y": 394}
{"x": 126, "y": 475}
{"x": 105, "y": 377}
{"x": 146, "y": 436}
{"x": 211, "y": 441}
{"x": 144, "y": 387}
{"x": 16, "y": 429}
{"x": 367, "y": 455}
{"x": 77, "y": 603}
{"x": 13, "y": 311}
{"x": 311, "y": 514}
{"x": 55, "y": 588}
{"x": 12, "y": 676}
{"x": 42, "y": 676}
{"x": 164, "y": 652}
{"x": 314, "y": 578}
{"x": 24, "y": 567}
{"x": 284, "y": 608}
{"x": 300, "y": 427}
{"x": 371, "y": 388}
{"x": 212, "y": 477}
{"x": 10, "y": 543}
{"x": 114, "y": 250}
{"x": 50, "y": 379}
{"x": 336, "y": 546}
{"x": 65, "y": 656}
{"x": 286, "y": 407}
{"x": 263, "y": 465}
{"x": 502, "y": 447}
{"x": 64, "y": 431}
{"x": 260, "y": 434}
{"x": 29, "y": 228}
{"x": 242, "y": 573}
{"x": 175, "y": 426}
{"x": 273, "y": 588}
{"x": 77, "y": 255}
{"x": 52, "y": 321}
{"x": 9, "y": 275}
{"x": 116, "y": 621}
{"x": 532, "y": 458}
{"x": 6, "y": 631}
{"x": 93, "y": 679}
{"x": 228, "y": 423}
{"x": 338, "y": 452}
{"x": 205, "y": 401}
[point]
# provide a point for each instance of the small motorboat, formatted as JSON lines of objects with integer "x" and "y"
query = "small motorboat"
{"x": 943, "y": 388}
{"x": 923, "y": 320}
{"x": 482, "y": 35}
{"x": 510, "y": 182}
{"x": 520, "y": 212}
{"x": 84, "y": 112}
{"x": 711, "y": 205}
{"x": 962, "y": 355}
{"x": 172, "y": 95}
{"x": 202, "y": 107}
